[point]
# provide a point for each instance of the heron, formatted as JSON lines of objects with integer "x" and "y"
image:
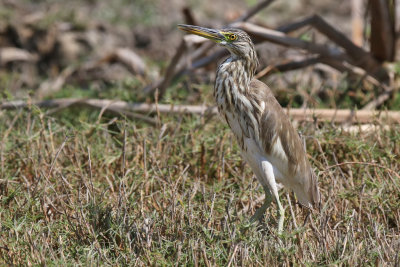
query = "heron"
{"x": 267, "y": 139}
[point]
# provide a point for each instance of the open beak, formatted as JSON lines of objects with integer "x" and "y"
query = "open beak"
{"x": 211, "y": 34}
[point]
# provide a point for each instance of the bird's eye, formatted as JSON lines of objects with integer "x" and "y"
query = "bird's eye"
{"x": 232, "y": 37}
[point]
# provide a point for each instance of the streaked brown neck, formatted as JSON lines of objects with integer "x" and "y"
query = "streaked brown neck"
{"x": 240, "y": 70}
{"x": 233, "y": 80}
{"x": 232, "y": 93}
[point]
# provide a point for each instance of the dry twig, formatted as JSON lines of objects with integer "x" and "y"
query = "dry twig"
{"x": 339, "y": 116}
{"x": 354, "y": 54}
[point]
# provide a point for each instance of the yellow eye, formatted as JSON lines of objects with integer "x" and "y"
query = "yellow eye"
{"x": 232, "y": 37}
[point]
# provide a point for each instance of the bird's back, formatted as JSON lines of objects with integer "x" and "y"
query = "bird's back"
{"x": 283, "y": 147}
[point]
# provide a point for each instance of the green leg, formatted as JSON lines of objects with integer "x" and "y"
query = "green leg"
{"x": 281, "y": 215}
{"x": 261, "y": 210}
{"x": 268, "y": 171}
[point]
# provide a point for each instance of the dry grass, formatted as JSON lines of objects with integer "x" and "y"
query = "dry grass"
{"x": 78, "y": 189}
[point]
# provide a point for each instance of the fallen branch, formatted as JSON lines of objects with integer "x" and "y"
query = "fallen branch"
{"x": 340, "y": 66}
{"x": 277, "y": 37}
{"x": 11, "y": 54}
{"x": 201, "y": 62}
{"x": 371, "y": 68}
{"x": 359, "y": 57}
{"x": 292, "y": 65}
{"x": 339, "y": 116}
{"x": 294, "y": 26}
{"x": 174, "y": 70}
{"x": 356, "y": 55}
{"x": 104, "y": 107}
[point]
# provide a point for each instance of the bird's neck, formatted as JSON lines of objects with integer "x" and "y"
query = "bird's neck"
{"x": 239, "y": 70}
{"x": 232, "y": 91}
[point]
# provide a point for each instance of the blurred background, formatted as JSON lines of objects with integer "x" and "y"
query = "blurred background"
{"x": 122, "y": 49}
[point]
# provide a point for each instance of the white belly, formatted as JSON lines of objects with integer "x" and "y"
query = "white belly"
{"x": 254, "y": 157}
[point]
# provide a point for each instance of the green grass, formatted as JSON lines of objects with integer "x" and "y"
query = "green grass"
{"x": 76, "y": 190}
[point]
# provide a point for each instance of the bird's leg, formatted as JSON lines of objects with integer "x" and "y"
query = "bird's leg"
{"x": 261, "y": 210}
{"x": 270, "y": 177}
{"x": 281, "y": 210}
{"x": 281, "y": 213}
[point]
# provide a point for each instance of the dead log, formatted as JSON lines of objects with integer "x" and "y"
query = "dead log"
{"x": 355, "y": 55}
{"x": 338, "y": 116}
{"x": 278, "y": 37}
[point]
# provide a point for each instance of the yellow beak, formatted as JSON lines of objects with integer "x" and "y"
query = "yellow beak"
{"x": 211, "y": 34}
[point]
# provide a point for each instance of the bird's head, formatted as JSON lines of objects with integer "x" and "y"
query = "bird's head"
{"x": 236, "y": 41}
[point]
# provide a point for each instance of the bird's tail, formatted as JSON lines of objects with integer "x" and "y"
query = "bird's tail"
{"x": 314, "y": 192}
{"x": 308, "y": 193}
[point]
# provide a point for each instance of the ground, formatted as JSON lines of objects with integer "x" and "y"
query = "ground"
{"x": 88, "y": 190}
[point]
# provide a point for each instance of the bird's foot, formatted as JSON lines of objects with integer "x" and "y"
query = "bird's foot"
{"x": 259, "y": 215}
